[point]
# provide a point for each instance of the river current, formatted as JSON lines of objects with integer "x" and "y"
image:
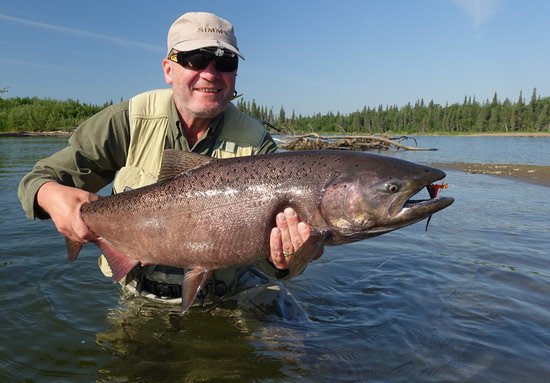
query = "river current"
{"x": 466, "y": 301}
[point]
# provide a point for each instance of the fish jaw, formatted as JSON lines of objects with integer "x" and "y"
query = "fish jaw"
{"x": 415, "y": 211}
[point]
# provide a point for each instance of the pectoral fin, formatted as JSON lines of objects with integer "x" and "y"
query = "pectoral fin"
{"x": 305, "y": 254}
{"x": 193, "y": 281}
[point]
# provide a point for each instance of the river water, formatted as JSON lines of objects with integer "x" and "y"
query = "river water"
{"x": 466, "y": 301}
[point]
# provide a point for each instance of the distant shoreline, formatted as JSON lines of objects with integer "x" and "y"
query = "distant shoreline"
{"x": 54, "y": 133}
{"x": 479, "y": 134}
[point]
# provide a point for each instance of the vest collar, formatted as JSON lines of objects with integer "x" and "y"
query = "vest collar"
{"x": 204, "y": 143}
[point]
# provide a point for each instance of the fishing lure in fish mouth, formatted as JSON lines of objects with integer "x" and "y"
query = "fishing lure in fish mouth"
{"x": 433, "y": 191}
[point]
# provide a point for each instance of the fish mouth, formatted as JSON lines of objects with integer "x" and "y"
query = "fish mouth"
{"x": 431, "y": 205}
{"x": 417, "y": 209}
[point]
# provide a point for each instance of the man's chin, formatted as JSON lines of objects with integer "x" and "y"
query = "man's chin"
{"x": 209, "y": 111}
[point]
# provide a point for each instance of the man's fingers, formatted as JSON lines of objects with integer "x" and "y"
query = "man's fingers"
{"x": 304, "y": 230}
{"x": 63, "y": 204}
{"x": 286, "y": 239}
{"x": 79, "y": 232}
{"x": 289, "y": 235}
{"x": 276, "y": 256}
{"x": 293, "y": 221}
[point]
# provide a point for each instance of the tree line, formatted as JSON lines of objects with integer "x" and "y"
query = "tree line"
{"x": 470, "y": 116}
{"x": 34, "y": 114}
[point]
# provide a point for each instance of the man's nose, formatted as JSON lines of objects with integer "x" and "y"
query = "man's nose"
{"x": 210, "y": 72}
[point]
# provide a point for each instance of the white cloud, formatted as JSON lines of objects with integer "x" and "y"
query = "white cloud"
{"x": 481, "y": 11}
{"x": 83, "y": 33}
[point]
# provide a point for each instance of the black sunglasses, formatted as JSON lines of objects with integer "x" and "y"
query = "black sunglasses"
{"x": 199, "y": 59}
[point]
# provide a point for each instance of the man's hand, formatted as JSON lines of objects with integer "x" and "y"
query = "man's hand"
{"x": 63, "y": 204}
{"x": 287, "y": 238}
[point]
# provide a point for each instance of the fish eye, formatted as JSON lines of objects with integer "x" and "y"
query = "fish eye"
{"x": 393, "y": 187}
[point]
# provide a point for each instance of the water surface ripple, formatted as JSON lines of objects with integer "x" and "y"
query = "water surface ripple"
{"x": 466, "y": 301}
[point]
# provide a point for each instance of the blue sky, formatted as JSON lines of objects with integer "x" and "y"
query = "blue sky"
{"x": 307, "y": 56}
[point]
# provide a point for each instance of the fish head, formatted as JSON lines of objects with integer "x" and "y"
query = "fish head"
{"x": 373, "y": 195}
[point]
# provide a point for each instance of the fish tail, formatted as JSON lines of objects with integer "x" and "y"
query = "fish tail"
{"x": 73, "y": 249}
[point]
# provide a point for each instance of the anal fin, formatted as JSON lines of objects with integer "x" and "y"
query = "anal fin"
{"x": 119, "y": 262}
{"x": 193, "y": 281}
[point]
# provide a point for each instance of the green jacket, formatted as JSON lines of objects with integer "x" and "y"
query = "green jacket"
{"x": 99, "y": 148}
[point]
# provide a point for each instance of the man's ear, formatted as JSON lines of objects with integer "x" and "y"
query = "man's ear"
{"x": 167, "y": 69}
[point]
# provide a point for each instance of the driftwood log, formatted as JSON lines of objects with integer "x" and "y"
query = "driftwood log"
{"x": 314, "y": 141}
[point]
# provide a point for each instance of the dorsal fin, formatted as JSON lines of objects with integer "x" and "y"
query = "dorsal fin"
{"x": 175, "y": 162}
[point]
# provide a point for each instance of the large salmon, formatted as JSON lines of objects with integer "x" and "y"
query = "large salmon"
{"x": 206, "y": 214}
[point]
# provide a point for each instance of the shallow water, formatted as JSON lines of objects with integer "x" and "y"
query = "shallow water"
{"x": 466, "y": 301}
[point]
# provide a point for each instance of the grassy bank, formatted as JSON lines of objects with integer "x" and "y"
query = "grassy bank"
{"x": 535, "y": 174}
{"x": 43, "y": 115}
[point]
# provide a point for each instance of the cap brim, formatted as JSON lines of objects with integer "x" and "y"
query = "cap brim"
{"x": 198, "y": 44}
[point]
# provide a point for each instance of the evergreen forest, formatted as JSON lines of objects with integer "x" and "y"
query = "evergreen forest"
{"x": 490, "y": 116}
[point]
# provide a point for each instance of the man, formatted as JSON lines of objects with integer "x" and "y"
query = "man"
{"x": 127, "y": 140}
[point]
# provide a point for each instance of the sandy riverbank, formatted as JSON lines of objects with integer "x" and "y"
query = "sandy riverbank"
{"x": 536, "y": 174}
{"x": 479, "y": 134}
{"x": 515, "y": 134}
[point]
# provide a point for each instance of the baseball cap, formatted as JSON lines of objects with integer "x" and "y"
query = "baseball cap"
{"x": 195, "y": 30}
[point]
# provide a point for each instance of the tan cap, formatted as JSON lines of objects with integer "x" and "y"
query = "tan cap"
{"x": 195, "y": 30}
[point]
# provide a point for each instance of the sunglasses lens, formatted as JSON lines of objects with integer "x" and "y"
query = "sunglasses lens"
{"x": 200, "y": 60}
{"x": 226, "y": 64}
{"x": 193, "y": 61}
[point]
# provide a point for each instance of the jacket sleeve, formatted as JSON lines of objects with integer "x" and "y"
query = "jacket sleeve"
{"x": 96, "y": 150}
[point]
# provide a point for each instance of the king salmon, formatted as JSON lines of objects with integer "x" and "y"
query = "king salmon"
{"x": 205, "y": 214}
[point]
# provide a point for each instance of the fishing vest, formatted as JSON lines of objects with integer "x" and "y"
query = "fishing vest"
{"x": 241, "y": 135}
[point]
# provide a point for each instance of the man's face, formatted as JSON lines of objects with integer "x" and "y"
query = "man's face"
{"x": 199, "y": 93}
